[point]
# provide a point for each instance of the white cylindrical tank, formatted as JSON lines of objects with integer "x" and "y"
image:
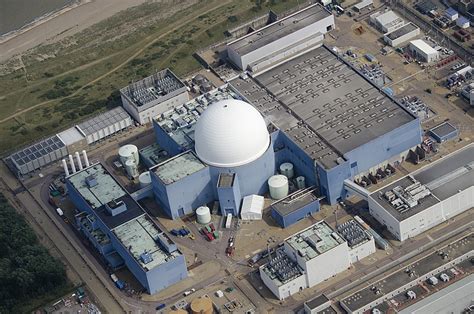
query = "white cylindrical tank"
{"x": 286, "y": 169}
{"x": 278, "y": 186}
{"x": 131, "y": 168}
{"x": 203, "y": 215}
{"x": 86, "y": 159}
{"x": 127, "y": 152}
{"x": 300, "y": 182}
{"x": 144, "y": 179}
{"x": 66, "y": 170}
{"x": 79, "y": 162}
{"x": 73, "y": 166}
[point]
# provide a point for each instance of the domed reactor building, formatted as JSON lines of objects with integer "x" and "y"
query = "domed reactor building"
{"x": 337, "y": 129}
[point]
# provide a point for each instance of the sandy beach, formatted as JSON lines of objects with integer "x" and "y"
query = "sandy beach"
{"x": 63, "y": 25}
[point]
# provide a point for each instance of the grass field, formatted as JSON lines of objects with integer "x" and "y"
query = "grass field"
{"x": 55, "y": 86}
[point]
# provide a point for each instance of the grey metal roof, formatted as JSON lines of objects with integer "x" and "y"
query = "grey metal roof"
{"x": 327, "y": 107}
{"x": 399, "y": 32}
{"x": 294, "y": 201}
{"x": 443, "y": 130}
{"x": 103, "y": 120}
{"x": 279, "y": 29}
{"x": 71, "y": 136}
{"x": 178, "y": 167}
{"x": 37, "y": 150}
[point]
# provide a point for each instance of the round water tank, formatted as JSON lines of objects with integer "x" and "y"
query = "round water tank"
{"x": 127, "y": 152}
{"x": 202, "y": 305}
{"x": 278, "y": 186}
{"x": 131, "y": 168}
{"x": 203, "y": 215}
{"x": 144, "y": 179}
{"x": 286, "y": 169}
{"x": 300, "y": 182}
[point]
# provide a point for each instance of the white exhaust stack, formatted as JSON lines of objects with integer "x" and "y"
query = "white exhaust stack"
{"x": 79, "y": 162}
{"x": 66, "y": 170}
{"x": 73, "y": 166}
{"x": 86, "y": 160}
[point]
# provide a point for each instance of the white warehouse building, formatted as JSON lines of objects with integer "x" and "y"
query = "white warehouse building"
{"x": 294, "y": 33}
{"x": 156, "y": 94}
{"x": 386, "y": 22}
{"x": 426, "y": 198}
{"x": 311, "y": 256}
{"x": 422, "y": 51}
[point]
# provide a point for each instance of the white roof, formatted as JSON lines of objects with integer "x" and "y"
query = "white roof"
{"x": 387, "y": 18}
{"x": 423, "y": 46}
{"x": 230, "y": 133}
{"x": 71, "y": 136}
{"x": 252, "y": 204}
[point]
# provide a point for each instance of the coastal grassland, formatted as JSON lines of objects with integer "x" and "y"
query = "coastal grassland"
{"x": 58, "y": 85}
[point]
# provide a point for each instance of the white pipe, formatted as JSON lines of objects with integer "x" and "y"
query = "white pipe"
{"x": 73, "y": 166}
{"x": 79, "y": 162}
{"x": 66, "y": 170}
{"x": 86, "y": 160}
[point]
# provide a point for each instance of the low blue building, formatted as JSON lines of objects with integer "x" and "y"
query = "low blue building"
{"x": 122, "y": 232}
{"x": 443, "y": 132}
{"x": 295, "y": 207}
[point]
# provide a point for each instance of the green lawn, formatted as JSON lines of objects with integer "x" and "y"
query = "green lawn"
{"x": 59, "y": 86}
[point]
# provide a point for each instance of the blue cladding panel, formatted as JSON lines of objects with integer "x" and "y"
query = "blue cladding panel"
{"x": 166, "y": 142}
{"x": 166, "y": 274}
{"x": 385, "y": 147}
{"x": 181, "y": 197}
{"x": 229, "y": 198}
{"x": 332, "y": 181}
{"x": 292, "y": 218}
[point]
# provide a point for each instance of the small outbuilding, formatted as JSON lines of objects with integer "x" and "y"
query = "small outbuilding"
{"x": 252, "y": 207}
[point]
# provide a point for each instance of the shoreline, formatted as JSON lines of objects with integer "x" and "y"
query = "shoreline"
{"x": 41, "y": 20}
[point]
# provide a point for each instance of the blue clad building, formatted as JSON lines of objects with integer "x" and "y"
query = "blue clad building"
{"x": 315, "y": 111}
{"x": 122, "y": 232}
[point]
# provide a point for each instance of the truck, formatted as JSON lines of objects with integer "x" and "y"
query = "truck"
{"x": 120, "y": 284}
{"x": 60, "y": 212}
{"x": 228, "y": 222}
{"x": 174, "y": 232}
{"x": 160, "y": 306}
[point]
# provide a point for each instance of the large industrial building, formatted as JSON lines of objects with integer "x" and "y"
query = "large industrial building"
{"x": 386, "y": 21}
{"x": 281, "y": 39}
{"x": 314, "y": 111}
{"x": 401, "y": 35}
{"x": 40, "y": 154}
{"x": 428, "y": 197}
{"x": 422, "y": 51}
{"x": 153, "y": 95}
{"x": 312, "y": 256}
{"x": 121, "y": 231}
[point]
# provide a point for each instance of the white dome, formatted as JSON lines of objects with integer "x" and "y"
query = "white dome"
{"x": 230, "y": 133}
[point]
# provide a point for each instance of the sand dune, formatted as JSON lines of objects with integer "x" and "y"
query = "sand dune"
{"x": 65, "y": 24}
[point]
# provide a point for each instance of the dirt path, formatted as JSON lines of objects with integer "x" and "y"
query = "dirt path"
{"x": 148, "y": 39}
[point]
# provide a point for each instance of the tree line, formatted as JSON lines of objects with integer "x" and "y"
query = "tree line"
{"x": 27, "y": 270}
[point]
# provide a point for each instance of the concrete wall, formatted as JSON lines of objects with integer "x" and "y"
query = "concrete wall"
{"x": 288, "y": 220}
{"x": 361, "y": 251}
{"x": 400, "y": 40}
{"x": 147, "y": 115}
{"x": 327, "y": 265}
{"x": 242, "y": 61}
{"x": 285, "y": 290}
{"x": 383, "y": 216}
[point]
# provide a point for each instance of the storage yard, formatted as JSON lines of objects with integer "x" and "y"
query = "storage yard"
{"x": 352, "y": 160}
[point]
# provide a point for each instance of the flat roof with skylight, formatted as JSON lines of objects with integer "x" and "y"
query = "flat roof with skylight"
{"x": 323, "y": 104}
{"x": 295, "y": 201}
